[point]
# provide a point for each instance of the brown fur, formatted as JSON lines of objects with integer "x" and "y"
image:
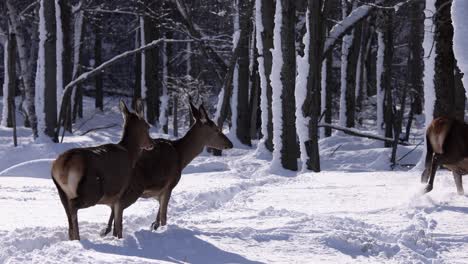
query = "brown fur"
{"x": 158, "y": 171}
{"x": 85, "y": 177}
{"x": 447, "y": 146}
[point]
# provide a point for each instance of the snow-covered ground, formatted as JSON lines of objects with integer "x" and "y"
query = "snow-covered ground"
{"x": 233, "y": 209}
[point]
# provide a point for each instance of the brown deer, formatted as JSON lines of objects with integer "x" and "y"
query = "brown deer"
{"x": 158, "y": 171}
{"x": 447, "y": 145}
{"x": 85, "y": 177}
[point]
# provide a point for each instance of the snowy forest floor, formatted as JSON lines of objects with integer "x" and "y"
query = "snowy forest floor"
{"x": 233, "y": 209}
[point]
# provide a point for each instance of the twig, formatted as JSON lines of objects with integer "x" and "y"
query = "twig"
{"x": 98, "y": 128}
{"x": 409, "y": 152}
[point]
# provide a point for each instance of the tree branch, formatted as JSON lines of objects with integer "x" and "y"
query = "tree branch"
{"x": 357, "y": 133}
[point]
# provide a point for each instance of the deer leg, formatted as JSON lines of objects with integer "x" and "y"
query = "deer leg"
{"x": 163, "y": 207}
{"x": 433, "y": 170}
{"x": 118, "y": 215}
{"x": 73, "y": 210}
{"x": 107, "y": 230}
{"x": 155, "y": 224}
{"x": 64, "y": 200}
{"x": 458, "y": 182}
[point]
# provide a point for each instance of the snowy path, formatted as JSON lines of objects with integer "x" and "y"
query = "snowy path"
{"x": 229, "y": 210}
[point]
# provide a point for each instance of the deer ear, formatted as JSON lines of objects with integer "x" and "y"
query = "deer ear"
{"x": 139, "y": 108}
{"x": 124, "y": 109}
{"x": 194, "y": 111}
{"x": 203, "y": 115}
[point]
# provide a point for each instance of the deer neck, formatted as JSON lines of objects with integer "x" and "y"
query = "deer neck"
{"x": 190, "y": 146}
{"x": 131, "y": 145}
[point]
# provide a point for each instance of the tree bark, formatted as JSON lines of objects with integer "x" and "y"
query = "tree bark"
{"x": 46, "y": 74}
{"x": 97, "y": 61}
{"x": 311, "y": 106}
{"x": 10, "y": 80}
{"x": 242, "y": 74}
{"x": 287, "y": 134}
{"x": 444, "y": 79}
{"x": 416, "y": 55}
{"x": 25, "y": 66}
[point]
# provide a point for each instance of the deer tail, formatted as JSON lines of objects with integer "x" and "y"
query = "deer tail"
{"x": 68, "y": 170}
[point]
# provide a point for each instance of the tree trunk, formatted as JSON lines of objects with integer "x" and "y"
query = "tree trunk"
{"x": 46, "y": 85}
{"x": 77, "y": 107}
{"x": 353, "y": 56}
{"x": 254, "y": 110}
{"x": 241, "y": 74}
{"x": 328, "y": 96}
{"x": 151, "y": 70}
{"x": 137, "y": 85}
{"x": 444, "y": 79}
{"x": 264, "y": 36}
{"x": 9, "y": 82}
{"x": 311, "y": 107}
{"x": 283, "y": 83}
{"x": 25, "y": 66}
{"x": 97, "y": 61}
{"x": 384, "y": 74}
{"x": 175, "y": 119}
{"x": 417, "y": 55}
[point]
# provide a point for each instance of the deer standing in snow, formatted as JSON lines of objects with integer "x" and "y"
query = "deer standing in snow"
{"x": 85, "y": 177}
{"x": 447, "y": 145}
{"x": 159, "y": 170}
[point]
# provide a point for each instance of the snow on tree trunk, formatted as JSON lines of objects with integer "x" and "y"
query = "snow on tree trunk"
{"x": 323, "y": 94}
{"x": 264, "y": 55}
{"x": 283, "y": 85}
{"x": 460, "y": 39}
{"x": 25, "y": 65}
{"x": 380, "y": 92}
{"x": 235, "y": 77}
{"x": 143, "y": 59}
{"x": 164, "y": 98}
{"x": 302, "y": 122}
{"x": 345, "y": 51}
{"x": 46, "y": 85}
{"x": 59, "y": 52}
{"x": 6, "y": 81}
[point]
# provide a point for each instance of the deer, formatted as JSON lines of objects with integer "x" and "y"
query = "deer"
{"x": 447, "y": 146}
{"x": 158, "y": 171}
{"x": 88, "y": 176}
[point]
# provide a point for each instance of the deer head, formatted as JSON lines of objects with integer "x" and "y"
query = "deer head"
{"x": 209, "y": 132}
{"x": 135, "y": 128}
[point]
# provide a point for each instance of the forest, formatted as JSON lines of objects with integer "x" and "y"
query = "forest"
{"x": 313, "y": 117}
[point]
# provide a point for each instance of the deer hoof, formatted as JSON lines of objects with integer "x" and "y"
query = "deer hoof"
{"x": 154, "y": 226}
{"x": 461, "y": 192}
{"x": 104, "y": 232}
{"x": 428, "y": 188}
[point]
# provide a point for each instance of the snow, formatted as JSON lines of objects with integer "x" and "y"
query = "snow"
{"x": 302, "y": 122}
{"x": 235, "y": 75}
{"x": 460, "y": 42}
{"x": 429, "y": 65}
{"x": 323, "y": 94}
{"x": 277, "y": 89}
{"x": 5, "y": 84}
{"x": 261, "y": 72}
{"x": 59, "y": 52}
{"x": 347, "y": 40}
{"x": 164, "y": 98}
{"x": 342, "y": 26}
{"x": 231, "y": 209}
{"x": 143, "y": 58}
{"x": 40, "y": 74}
{"x": 379, "y": 71}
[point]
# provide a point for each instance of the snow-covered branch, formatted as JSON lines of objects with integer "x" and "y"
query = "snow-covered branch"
{"x": 355, "y": 132}
{"x": 85, "y": 76}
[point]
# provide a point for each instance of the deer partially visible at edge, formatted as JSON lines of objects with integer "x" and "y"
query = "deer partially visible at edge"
{"x": 85, "y": 177}
{"x": 447, "y": 145}
{"x": 158, "y": 171}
